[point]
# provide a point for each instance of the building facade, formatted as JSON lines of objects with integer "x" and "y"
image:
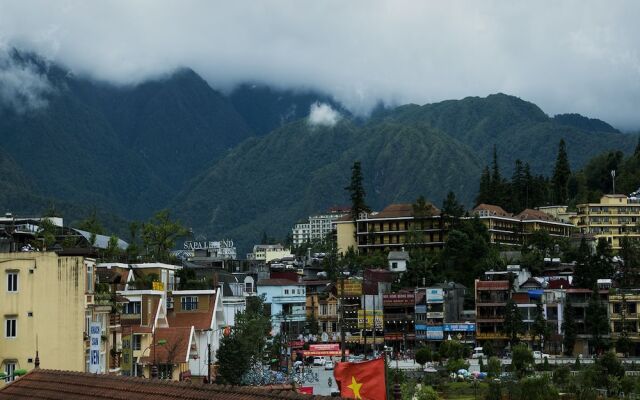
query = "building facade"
{"x": 614, "y": 217}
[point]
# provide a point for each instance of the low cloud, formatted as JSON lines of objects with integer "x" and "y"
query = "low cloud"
{"x": 22, "y": 87}
{"x": 322, "y": 114}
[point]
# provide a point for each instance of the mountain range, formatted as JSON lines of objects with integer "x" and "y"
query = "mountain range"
{"x": 239, "y": 164}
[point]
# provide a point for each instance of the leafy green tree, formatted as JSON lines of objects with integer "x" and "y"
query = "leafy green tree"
{"x": 245, "y": 346}
{"x": 357, "y": 192}
{"x": 513, "y": 325}
{"x": 561, "y": 174}
{"x": 451, "y": 349}
{"x": 455, "y": 364}
{"x": 423, "y": 355}
{"x": 484, "y": 192}
{"x": 312, "y": 324}
{"x": 521, "y": 359}
{"x": 46, "y": 234}
{"x": 160, "y": 233}
{"x": 537, "y": 388}
{"x": 569, "y": 327}
{"x": 596, "y": 321}
{"x": 540, "y": 329}
{"x": 630, "y": 271}
{"x": 112, "y": 252}
{"x": 494, "y": 367}
{"x": 561, "y": 375}
{"x": 494, "y": 392}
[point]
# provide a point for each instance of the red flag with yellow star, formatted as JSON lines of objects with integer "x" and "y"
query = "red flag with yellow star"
{"x": 363, "y": 380}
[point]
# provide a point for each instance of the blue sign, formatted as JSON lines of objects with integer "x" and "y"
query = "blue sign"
{"x": 460, "y": 327}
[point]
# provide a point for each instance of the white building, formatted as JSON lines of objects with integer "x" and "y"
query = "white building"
{"x": 317, "y": 228}
{"x": 286, "y": 301}
{"x": 268, "y": 252}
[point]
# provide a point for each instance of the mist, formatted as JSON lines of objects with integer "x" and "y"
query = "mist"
{"x": 571, "y": 56}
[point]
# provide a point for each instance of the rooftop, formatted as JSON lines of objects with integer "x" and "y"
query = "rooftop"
{"x": 65, "y": 385}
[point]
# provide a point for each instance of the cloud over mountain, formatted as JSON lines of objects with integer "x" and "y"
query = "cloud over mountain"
{"x": 571, "y": 56}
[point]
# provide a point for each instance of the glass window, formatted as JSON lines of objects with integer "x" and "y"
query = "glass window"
{"x": 10, "y": 327}
{"x": 9, "y": 369}
{"x": 89, "y": 279}
{"x": 189, "y": 303}
{"x": 12, "y": 282}
{"x": 136, "y": 342}
{"x": 132, "y": 307}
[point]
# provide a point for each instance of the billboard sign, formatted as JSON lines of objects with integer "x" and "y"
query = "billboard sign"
{"x": 371, "y": 316}
{"x": 399, "y": 299}
{"x": 460, "y": 327}
{"x": 95, "y": 333}
{"x": 435, "y": 295}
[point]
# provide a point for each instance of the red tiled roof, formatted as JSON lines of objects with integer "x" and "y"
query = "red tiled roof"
{"x": 403, "y": 210}
{"x": 529, "y": 214}
{"x": 199, "y": 320}
{"x": 65, "y": 385}
{"x": 493, "y": 285}
{"x": 176, "y": 346}
{"x": 493, "y": 210}
{"x": 520, "y": 298}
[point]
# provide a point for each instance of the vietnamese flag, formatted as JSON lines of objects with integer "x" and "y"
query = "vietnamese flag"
{"x": 363, "y": 380}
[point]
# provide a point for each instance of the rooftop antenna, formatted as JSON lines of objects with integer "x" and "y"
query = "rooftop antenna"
{"x": 613, "y": 176}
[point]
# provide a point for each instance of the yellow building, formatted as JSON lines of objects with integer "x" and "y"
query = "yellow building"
{"x": 623, "y": 315}
{"x": 613, "y": 218}
{"x": 46, "y": 304}
{"x": 345, "y": 234}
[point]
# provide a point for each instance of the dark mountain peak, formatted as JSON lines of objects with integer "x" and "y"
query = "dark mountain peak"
{"x": 584, "y": 123}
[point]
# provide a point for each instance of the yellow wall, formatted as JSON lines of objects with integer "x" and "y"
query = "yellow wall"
{"x": 55, "y": 293}
{"x": 346, "y": 238}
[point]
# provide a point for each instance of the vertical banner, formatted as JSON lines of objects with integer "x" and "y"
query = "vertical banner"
{"x": 94, "y": 348}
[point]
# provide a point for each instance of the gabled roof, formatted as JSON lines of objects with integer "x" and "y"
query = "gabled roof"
{"x": 176, "y": 347}
{"x": 398, "y": 255}
{"x": 65, "y": 385}
{"x": 404, "y": 210}
{"x": 530, "y": 215}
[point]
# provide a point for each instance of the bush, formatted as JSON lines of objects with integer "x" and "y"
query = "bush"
{"x": 426, "y": 393}
{"x": 455, "y": 364}
{"x": 522, "y": 359}
{"x": 561, "y": 376}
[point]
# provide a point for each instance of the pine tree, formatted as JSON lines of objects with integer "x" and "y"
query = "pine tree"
{"x": 569, "y": 328}
{"x": 484, "y": 192}
{"x": 451, "y": 208}
{"x": 357, "y": 192}
{"x": 518, "y": 188}
{"x": 630, "y": 254}
{"x": 513, "y": 325}
{"x": 496, "y": 186}
{"x": 561, "y": 174}
{"x": 539, "y": 329}
{"x": 583, "y": 275}
{"x": 596, "y": 320}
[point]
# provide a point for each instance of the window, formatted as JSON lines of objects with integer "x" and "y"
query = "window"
{"x": 12, "y": 282}
{"x": 9, "y": 370}
{"x": 189, "y": 303}
{"x": 10, "y": 327}
{"x": 136, "y": 343}
{"x": 286, "y": 291}
{"x": 89, "y": 283}
{"x": 132, "y": 307}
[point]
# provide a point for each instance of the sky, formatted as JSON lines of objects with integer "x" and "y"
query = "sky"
{"x": 569, "y": 56}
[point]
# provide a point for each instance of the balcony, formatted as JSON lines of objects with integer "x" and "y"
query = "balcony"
{"x": 288, "y": 299}
{"x": 290, "y": 317}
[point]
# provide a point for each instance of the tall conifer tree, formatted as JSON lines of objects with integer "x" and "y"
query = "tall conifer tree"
{"x": 561, "y": 174}
{"x": 357, "y": 192}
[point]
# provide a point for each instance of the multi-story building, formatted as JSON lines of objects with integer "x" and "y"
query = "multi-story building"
{"x": 285, "y": 301}
{"x": 429, "y": 314}
{"x": 46, "y": 308}
{"x": 560, "y": 213}
{"x": 399, "y": 320}
{"x": 266, "y": 253}
{"x": 491, "y": 301}
{"x": 397, "y": 226}
{"x": 614, "y": 217}
{"x": 317, "y": 227}
{"x": 300, "y": 233}
{"x": 203, "y": 311}
{"x": 623, "y": 317}
{"x": 508, "y": 229}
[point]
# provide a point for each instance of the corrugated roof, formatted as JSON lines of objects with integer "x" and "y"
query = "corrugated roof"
{"x": 65, "y": 385}
{"x": 102, "y": 241}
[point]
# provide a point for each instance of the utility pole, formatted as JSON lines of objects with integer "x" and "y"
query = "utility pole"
{"x": 342, "y": 342}
{"x": 209, "y": 361}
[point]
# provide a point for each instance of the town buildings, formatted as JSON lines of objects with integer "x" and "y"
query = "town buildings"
{"x": 614, "y": 217}
{"x": 285, "y": 303}
{"x": 317, "y": 227}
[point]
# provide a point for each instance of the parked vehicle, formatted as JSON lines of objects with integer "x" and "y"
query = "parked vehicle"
{"x": 328, "y": 365}
{"x": 538, "y": 355}
{"x": 319, "y": 361}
